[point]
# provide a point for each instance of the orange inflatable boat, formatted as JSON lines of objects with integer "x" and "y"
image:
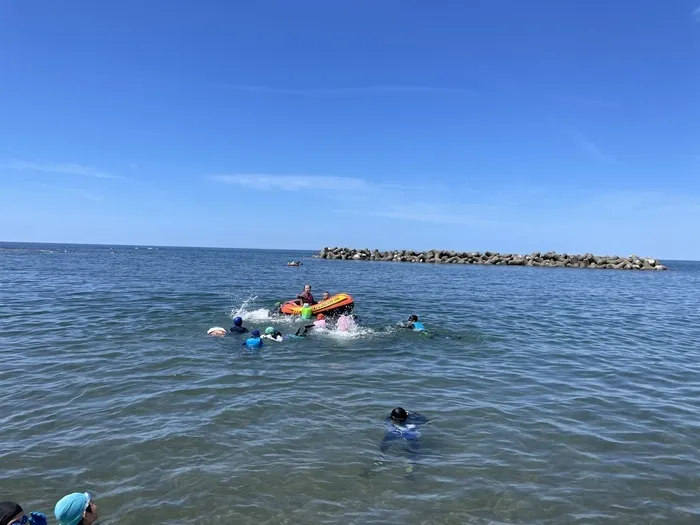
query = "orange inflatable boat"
{"x": 335, "y": 305}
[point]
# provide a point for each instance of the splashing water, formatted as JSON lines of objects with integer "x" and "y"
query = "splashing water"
{"x": 248, "y": 312}
{"x": 243, "y": 310}
{"x": 346, "y": 328}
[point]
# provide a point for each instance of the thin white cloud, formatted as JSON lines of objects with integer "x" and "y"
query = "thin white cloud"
{"x": 66, "y": 168}
{"x": 419, "y": 214}
{"x": 696, "y": 12}
{"x": 359, "y": 90}
{"x": 591, "y": 148}
{"x": 294, "y": 182}
{"x": 75, "y": 191}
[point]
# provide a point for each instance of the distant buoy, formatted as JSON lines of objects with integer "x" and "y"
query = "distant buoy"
{"x": 216, "y": 331}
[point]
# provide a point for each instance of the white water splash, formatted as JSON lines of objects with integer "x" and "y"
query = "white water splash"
{"x": 345, "y": 328}
{"x": 248, "y": 312}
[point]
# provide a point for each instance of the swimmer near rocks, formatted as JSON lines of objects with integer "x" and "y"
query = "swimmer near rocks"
{"x": 540, "y": 259}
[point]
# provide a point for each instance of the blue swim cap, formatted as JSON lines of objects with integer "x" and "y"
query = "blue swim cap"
{"x": 237, "y": 321}
{"x": 69, "y": 509}
{"x": 255, "y": 333}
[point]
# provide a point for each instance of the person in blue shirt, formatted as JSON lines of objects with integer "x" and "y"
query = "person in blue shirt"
{"x": 414, "y": 324}
{"x": 254, "y": 341}
{"x": 403, "y": 426}
{"x": 238, "y": 327}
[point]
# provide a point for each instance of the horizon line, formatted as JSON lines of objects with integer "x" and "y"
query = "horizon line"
{"x": 315, "y": 250}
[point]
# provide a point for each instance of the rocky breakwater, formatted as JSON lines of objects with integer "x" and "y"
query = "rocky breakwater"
{"x": 548, "y": 259}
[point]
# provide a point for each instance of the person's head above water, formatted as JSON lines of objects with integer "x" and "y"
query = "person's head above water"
{"x": 269, "y": 330}
{"x": 412, "y": 318}
{"x": 320, "y": 316}
{"x": 237, "y": 321}
{"x": 399, "y": 415}
{"x": 255, "y": 333}
{"x": 76, "y": 508}
{"x": 11, "y": 512}
{"x": 326, "y": 295}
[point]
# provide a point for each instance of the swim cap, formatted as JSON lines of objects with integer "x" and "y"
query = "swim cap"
{"x": 237, "y": 321}
{"x": 8, "y": 510}
{"x": 69, "y": 509}
{"x": 255, "y": 333}
{"x": 269, "y": 330}
{"x": 320, "y": 316}
{"x": 399, "y": 414}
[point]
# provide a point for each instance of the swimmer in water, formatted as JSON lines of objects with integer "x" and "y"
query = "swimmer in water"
{"x": 271, "y": 333}
{"x": 346, "y": 323}
{"x": 275, "y": 310}
{"x": 254, "y": 341}
{"x": 238, "y": 327}
{"x": 78, "y": 508}
{"x": 320, "y": 323}
{"x": 216, "y": 331}
{"x": 12, "y": 513}
{"x": 402, "y": 425}
{"x": 414, "y": 324}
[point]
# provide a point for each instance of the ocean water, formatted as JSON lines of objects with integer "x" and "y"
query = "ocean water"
{"x": 555, "y": 396}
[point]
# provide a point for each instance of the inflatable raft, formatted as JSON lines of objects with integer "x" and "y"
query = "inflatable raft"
{"x": 335, "y": 305}
{"x": 294, "y": 263}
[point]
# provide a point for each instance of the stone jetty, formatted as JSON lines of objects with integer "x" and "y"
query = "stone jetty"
{"x": 546, "y": 259}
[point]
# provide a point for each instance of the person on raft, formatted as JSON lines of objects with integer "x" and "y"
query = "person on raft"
{"x": 402, "y": 425}
{"x": 238, "y": 327}
{"x": 326, "y": 295}
{"x": 306, "y": 296}
{"x": 414, "y": 324}
{"x": 271, "y": 333}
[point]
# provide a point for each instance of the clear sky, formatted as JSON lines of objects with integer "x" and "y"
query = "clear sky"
{"x": 504, "y": 125}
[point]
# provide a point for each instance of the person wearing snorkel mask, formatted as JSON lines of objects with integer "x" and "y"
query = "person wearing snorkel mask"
{"x": 12, "y": 513}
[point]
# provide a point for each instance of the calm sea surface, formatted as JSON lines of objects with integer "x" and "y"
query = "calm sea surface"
{"x": 555, "y": 396}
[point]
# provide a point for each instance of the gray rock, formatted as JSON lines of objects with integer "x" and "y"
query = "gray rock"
{"x": 549, "y": 259}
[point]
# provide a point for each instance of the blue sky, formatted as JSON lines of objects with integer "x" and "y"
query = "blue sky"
{"x": 478, "y": 125}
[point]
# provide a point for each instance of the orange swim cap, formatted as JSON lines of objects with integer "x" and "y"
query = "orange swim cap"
{"x": 320, "y": 316}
